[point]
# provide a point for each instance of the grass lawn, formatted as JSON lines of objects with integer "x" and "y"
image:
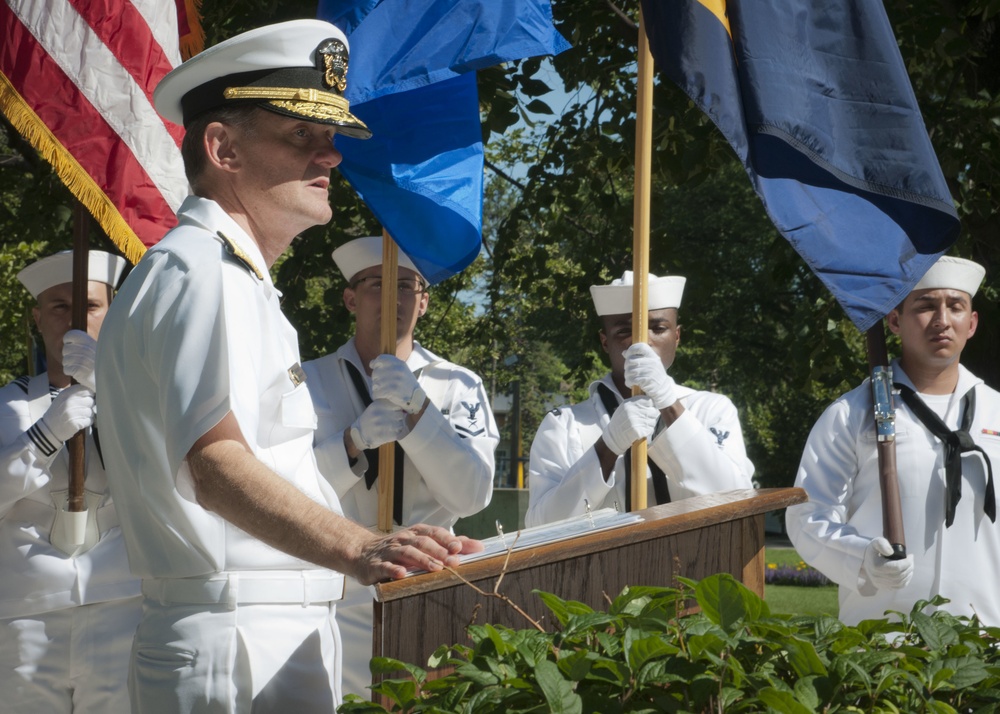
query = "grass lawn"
{"x": 793, "y": 600}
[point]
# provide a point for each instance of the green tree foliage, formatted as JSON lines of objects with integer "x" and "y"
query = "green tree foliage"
{"x": 757, "y": 325}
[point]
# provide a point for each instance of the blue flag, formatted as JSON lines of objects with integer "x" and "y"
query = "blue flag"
{"x": 814, "y": 98}
{"x": 412, "y": 80}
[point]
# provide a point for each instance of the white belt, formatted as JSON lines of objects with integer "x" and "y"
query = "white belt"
{"x": 304, "y": 587}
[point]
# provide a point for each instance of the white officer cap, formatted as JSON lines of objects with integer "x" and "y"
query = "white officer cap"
{"x": 953, "y": 274}
{"x": 361, "y": 253}
{"x": 296, "y": 68}
{"x": 616, "y": 298}
{"x": 58, "y": 269}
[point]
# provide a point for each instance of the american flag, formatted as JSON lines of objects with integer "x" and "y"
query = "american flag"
{"x": 77, "y": 80}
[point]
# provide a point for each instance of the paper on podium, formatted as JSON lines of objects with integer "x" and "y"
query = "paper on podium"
{"x": 600, "y": 520}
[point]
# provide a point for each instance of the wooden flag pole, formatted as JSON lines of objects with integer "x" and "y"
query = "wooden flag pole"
{"x": 640, "y": 236}
{"x": 885, "y": 430}
{"x": 387, "y": 452}
{"x": 76, "y": 445}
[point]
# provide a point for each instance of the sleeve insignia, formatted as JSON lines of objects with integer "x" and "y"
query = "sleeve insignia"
{"x": 720, "y": 435}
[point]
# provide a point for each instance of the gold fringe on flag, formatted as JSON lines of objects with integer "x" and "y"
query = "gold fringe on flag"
{"x": 77, "y": 180}
{"x": 193, "y": 41}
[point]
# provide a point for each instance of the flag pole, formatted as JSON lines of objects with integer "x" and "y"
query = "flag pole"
{"x": 77, "y": 443}
{"x": 387, "y": 452}
{"x": 640, "y": 236}
{"x": 885, "y": 431}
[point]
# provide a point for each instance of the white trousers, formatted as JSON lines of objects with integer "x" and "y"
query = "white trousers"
{"x": 354, "y": 618}
{"x": 70, "y": 660}
{"x": 251, "y": 659}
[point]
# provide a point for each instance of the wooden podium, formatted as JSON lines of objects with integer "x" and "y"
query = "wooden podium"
{"x": 695, "y": 538}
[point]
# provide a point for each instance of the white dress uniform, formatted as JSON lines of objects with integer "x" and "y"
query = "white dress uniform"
{"x": 447, "y": 469}
{"x": 839, "y": 471}
{"x": 66, "y": 622}
{"x": 702, "y": 452}
{"x": 197, "y": 332}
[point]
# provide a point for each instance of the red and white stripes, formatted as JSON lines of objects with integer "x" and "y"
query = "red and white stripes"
{"x": 77, "y": 80}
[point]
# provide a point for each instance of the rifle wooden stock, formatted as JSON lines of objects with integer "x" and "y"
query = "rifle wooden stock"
{"x": 892, "y": 512}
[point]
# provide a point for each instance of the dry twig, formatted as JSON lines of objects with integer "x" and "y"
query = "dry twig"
{"x": 496, "y": 588}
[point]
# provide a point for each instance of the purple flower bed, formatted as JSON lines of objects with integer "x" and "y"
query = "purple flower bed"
{"x": 800, "y": 574}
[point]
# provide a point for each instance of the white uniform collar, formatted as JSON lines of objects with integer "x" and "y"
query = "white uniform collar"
{"x": 419, "y": 358}
{"x": 209, "y": 215}
{"x": 966, "y": 381}
{"x": 608, "y": 382}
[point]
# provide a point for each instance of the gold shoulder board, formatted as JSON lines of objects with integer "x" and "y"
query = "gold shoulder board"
{"x": 240, "y": 255}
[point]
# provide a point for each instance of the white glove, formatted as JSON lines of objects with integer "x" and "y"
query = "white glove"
{"x": 644, "y": 368}
{"x": 393, "y": 380}
{"x": 892, "y": 574}
{"x": 634, "y": 419}
{"x": 380, "y": 423}
{"x": 79, "y": 357}
{"x": 70, "y": 412}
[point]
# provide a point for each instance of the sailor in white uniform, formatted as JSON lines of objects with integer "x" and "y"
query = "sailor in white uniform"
{"x": 436, "y": 412}
{"x": 947, "y": 440}
{"x": 68, "y": 605}
{"x": 580, "y": 454}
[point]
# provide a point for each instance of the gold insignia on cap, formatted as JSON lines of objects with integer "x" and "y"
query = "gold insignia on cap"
{"x": 240, "y": 255}
{"x": 335, "y": 56}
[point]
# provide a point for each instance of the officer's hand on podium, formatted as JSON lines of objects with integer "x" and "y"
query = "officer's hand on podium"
{"x": 416, "y": 547}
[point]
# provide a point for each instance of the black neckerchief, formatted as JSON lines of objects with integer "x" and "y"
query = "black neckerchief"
{"x": 372, "y": 454}
{"x": 955, "y": 443}
{"x": 660, "y": 488}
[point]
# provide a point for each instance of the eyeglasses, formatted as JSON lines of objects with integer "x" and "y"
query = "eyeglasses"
{"x": 404, "y": 286}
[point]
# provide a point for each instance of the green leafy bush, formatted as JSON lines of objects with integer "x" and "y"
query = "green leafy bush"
{"x": 645, "y": 655}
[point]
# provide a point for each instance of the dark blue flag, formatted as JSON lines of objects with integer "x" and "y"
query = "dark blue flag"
{"x": 412, "y": 80}
{"x": 814, "y": 98}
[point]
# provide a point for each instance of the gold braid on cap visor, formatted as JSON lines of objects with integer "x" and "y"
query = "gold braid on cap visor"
{"x": 308, "y": 102}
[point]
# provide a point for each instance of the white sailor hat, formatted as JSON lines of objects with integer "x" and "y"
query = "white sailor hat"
{"x": 361, "y": 253}
{"x": 616, "y": 298}
{"x": 296, "y": 68}
{"x": 953, "y": 274}
{"x": 58, "y": 269}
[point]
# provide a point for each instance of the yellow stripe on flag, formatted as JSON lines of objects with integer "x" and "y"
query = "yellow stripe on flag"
{"x": 718, "y": 8}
